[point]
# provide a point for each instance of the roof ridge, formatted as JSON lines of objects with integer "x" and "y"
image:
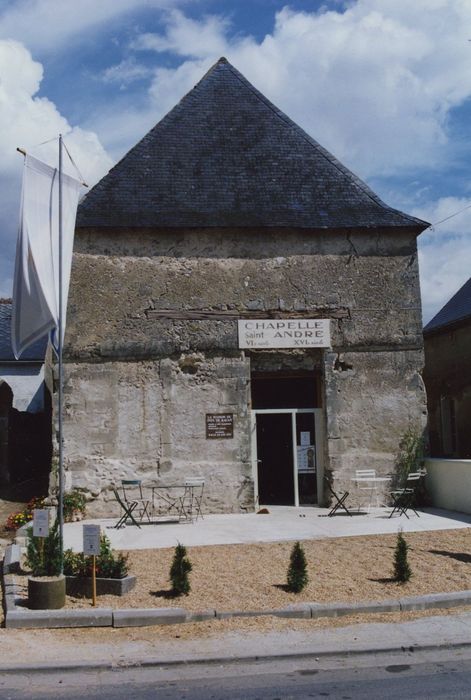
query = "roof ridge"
{"x": 451, "y": 311}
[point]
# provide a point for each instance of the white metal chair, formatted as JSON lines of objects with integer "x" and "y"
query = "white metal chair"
{"x": 132, "y": 493}
{"x": 365, "y": 481}
{"x": 192, "y": 499}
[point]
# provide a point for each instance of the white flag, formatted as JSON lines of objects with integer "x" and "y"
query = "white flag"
{"x": 36, "y": 284}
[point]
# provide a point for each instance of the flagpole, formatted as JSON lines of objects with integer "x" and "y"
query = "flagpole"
{"x": 61, "y": 372}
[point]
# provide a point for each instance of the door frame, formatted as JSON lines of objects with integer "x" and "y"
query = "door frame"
{"x": 318, "y": 441}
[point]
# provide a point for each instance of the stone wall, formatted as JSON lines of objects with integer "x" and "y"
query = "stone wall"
{"x": 140, "y": 381}
{"x": 147, "y": 420}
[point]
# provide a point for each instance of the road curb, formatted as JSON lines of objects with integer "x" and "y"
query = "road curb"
{"x": 16, "y": 616}
{"x": 159, "y": 662}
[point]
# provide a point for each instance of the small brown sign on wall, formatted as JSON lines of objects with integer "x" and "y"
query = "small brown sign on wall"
{"x": 219, "y": 425}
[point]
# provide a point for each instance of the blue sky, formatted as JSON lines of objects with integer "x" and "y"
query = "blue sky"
{"x": 385, "y": 85}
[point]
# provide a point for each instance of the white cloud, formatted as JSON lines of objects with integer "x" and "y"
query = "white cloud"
{"x": 444, "y": 251}
{"x": 187, "y": 37}
{"x": 374, "y": 84}
{"x": 126, "y": 72}
{"x": 27, "y": 120}
{"x": 47, "y": 24}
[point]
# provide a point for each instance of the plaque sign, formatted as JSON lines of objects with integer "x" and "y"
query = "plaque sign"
{"x": 40, "y": 522}
{"x": 284, "y": 333}
{"x": 91, "y": 539}
{"x": 219, "y": 425}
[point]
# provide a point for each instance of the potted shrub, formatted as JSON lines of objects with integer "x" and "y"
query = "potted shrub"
{"x": 111, "y": 572}
{"x": 46, "y": 585}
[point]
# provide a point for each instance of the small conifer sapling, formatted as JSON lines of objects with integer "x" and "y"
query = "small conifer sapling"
{"x": 402, "y": 570}
{"x": 179, "y": 571}
{"x": 297, "y": 570}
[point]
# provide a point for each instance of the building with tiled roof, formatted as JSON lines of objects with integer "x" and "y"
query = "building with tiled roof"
{"x": 447, "y": 375}
{"x": 243, "y": 308}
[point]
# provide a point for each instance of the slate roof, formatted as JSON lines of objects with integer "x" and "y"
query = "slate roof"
{"x": 227, "y": 157}
{"x": 35, "y": 353}
{"x": 457, "y": 309}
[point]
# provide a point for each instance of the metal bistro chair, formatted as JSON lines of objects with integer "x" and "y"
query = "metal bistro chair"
{"x": 365, "y": 482}
{"x": 192, "y": 499}
{"x": 132, "y": 493}
{"x": 338, "y": 500}
{"x": 127, "y": 509}
{"x": 404, "y": 498}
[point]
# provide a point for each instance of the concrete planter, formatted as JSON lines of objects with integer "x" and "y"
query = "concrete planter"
{"x": 46, "y": 592}
{"x": 79, "y": 586}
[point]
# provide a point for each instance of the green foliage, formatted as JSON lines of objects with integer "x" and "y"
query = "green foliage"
{"x": 43, "y": 554}
{"x": 297, "y": 570}
{"x": 181, "y": 567}
{"x": 108, "y": 564}
{"x": 402, "y": 570}
{"x": 410, "y": 457}
{"x": 73, "y": 503}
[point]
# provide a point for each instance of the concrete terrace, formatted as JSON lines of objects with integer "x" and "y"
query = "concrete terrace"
{"x": 283, "y": 523}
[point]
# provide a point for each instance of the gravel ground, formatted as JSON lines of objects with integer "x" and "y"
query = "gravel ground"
{"x": 252, "y": 577}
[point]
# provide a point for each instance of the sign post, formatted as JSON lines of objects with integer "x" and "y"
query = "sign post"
{"x": 41, "y": 527}
{"x": 91, "y": 545}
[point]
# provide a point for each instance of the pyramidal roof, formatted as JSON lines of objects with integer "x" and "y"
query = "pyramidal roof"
{"x": 225, "y": 156}
{"x": 457, "y": 309}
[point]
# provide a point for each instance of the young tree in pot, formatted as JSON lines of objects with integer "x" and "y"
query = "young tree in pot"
{"x": 46, "y": 585}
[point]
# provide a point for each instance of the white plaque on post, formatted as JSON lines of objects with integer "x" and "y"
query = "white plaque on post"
{"x": 40, "y": 522}
{"x": 91, "y": 539}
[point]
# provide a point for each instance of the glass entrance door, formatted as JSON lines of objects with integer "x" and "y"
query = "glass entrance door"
{"x": 286, "y": 454}
{"x": 306, "y": 458}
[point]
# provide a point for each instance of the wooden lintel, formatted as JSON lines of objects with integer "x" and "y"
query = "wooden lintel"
{"x": 218, "y": 315}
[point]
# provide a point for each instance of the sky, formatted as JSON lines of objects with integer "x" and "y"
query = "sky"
{"x": 385, "y": 85}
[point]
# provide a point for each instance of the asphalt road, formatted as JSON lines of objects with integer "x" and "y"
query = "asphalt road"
{"x": 442, "y": 675}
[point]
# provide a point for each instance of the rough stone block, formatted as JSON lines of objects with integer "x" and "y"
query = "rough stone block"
{"x": 435, "y": 600}
{"x": 201, "y": 616}
{"x": 80, "y": 586}
{"x": 11, "y": 561}
{"x": 142, "y": 617}
{"x": 303, "y": 610}
{"x": 52, "y": 619}
{"x": 342, "y": 609}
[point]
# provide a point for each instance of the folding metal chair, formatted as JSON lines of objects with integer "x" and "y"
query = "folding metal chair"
{"x": 365, "y": 481}
{"x": 127, "y": 509}
{"x": 339, "y": 501}
{"x": 404, "y": 499}
{"x": 192, "y": 498}
{"x": 132, "y": 493}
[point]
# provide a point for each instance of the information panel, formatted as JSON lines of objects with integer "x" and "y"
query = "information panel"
{"x": 284, "y": 333}
{"x": 40, "y": 522}
{"x": 91, "y": 539}
{"x": 219, "y": 425}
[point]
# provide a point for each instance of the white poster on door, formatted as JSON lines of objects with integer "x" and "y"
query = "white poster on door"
{"x": 306, "y": 458}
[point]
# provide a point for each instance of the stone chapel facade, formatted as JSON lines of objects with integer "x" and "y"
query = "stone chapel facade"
{"x": 227, "y": 214}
